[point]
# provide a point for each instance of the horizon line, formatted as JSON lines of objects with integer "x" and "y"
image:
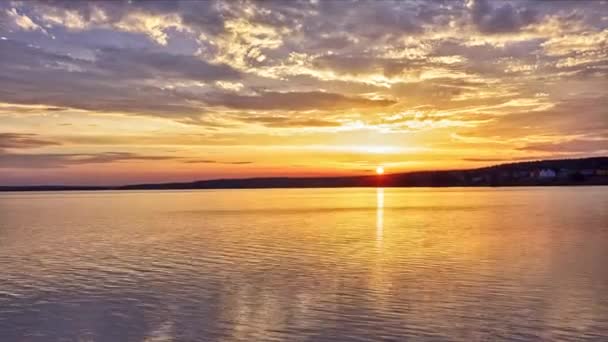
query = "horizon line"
{"x": 374, "y": 176}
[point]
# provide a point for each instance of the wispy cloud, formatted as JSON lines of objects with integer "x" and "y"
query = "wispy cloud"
{"x": 207, "y": 161}
{"x": 60, "y": 160}
{"x": 22, "y": 140}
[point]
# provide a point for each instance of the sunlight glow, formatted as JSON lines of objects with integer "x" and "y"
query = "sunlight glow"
{"x": 233, "y": 98}
{"x": 379, "y": 216}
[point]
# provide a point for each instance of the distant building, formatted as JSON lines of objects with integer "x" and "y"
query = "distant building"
{"x": 478, "y": 179}
{"x": 460, "y": 176}
{"x": 588, "y": 172}
{"x": 546, "y": 173}
{"x": 534, "y": 173}
{"x": 564, "y": 173}
{"x": 601, "y": 172}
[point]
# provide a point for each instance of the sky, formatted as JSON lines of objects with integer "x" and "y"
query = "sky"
{"x": 115, "y": 92}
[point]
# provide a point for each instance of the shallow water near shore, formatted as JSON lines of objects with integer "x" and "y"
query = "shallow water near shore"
{"x": 367, "y": 264}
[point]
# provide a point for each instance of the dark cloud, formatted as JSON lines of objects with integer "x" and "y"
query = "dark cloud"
{"x": 575, "y": 145}
{"x": 303, "y": 123}
{"x": 505, "y": 159}
{"x": 490, "y": 60}
{"x": 20, "y": 140}
{"x": 393, "y": 17}
{"x": 112, "y": 64}
{"x": 294, "y": 101}
{"x": 204, "y": 16}
{"x": 207, "y": 161}
{"x": 439, "y": 89}
{"x": 210, "y": 16}
{"x": 13, "y": 109}
{"x": 60, "y": 160}
{"x": 116, "y": 81}
{"x": 121, "y": 64}
{"x": 288, "y": 121}
{"x": 504, "y": 18}
{"x": 361, "y": 65}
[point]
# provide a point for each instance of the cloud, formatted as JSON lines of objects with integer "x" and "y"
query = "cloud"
{"x": 113, "y": 64}
{"x": 21, "y": 140}
{"x": 23, "y": 21}
{"x": 207, "y": 161}
{"x": 293, "y": 101}
{"x": 131, "y": 81}
{"x": 60, "y": 160}
{"x": 153, "y": 19}
{"x": 123, "y": 64}
{"x": 287, "y": 121}
{"x": 503, "y": 19}
{"x": 502, "y": 160}
{"x": 364, "y": 65}
{"x": 579, "y": 116}
{"x": 574, "y": 145}
{"x": 12, "y": 109}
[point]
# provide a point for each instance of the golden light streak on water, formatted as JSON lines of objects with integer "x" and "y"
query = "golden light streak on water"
{"x": 379, "y": 216}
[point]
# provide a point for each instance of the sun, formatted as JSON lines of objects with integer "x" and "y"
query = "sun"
{"x": 380, "y": 170}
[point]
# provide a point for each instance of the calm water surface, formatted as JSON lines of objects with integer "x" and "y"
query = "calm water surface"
{"x": 486, "y": 264}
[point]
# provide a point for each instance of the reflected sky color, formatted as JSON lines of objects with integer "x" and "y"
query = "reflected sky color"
{"x": 524, "y": 264}
{"x": 115, "y": 92}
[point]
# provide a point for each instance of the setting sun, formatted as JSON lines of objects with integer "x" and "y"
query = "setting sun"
{"x": 380, "y": 170}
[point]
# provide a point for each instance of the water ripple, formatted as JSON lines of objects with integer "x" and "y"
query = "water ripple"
{"x": 306, "y": 265}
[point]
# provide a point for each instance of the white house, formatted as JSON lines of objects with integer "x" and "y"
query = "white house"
{"x": 547, "y": 173}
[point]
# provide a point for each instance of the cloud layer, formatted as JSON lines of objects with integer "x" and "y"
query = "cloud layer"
{"x": 514, "y": 78}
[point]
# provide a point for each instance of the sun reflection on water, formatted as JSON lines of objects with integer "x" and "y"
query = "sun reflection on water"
{"x": 379, "y": 216}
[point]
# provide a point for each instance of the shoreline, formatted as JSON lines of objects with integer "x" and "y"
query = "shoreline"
{"x": 84, "y": 188}
{"x": 565, "y": 172}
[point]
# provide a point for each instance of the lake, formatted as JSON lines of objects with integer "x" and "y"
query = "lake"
{"x": 366, "y": 264}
